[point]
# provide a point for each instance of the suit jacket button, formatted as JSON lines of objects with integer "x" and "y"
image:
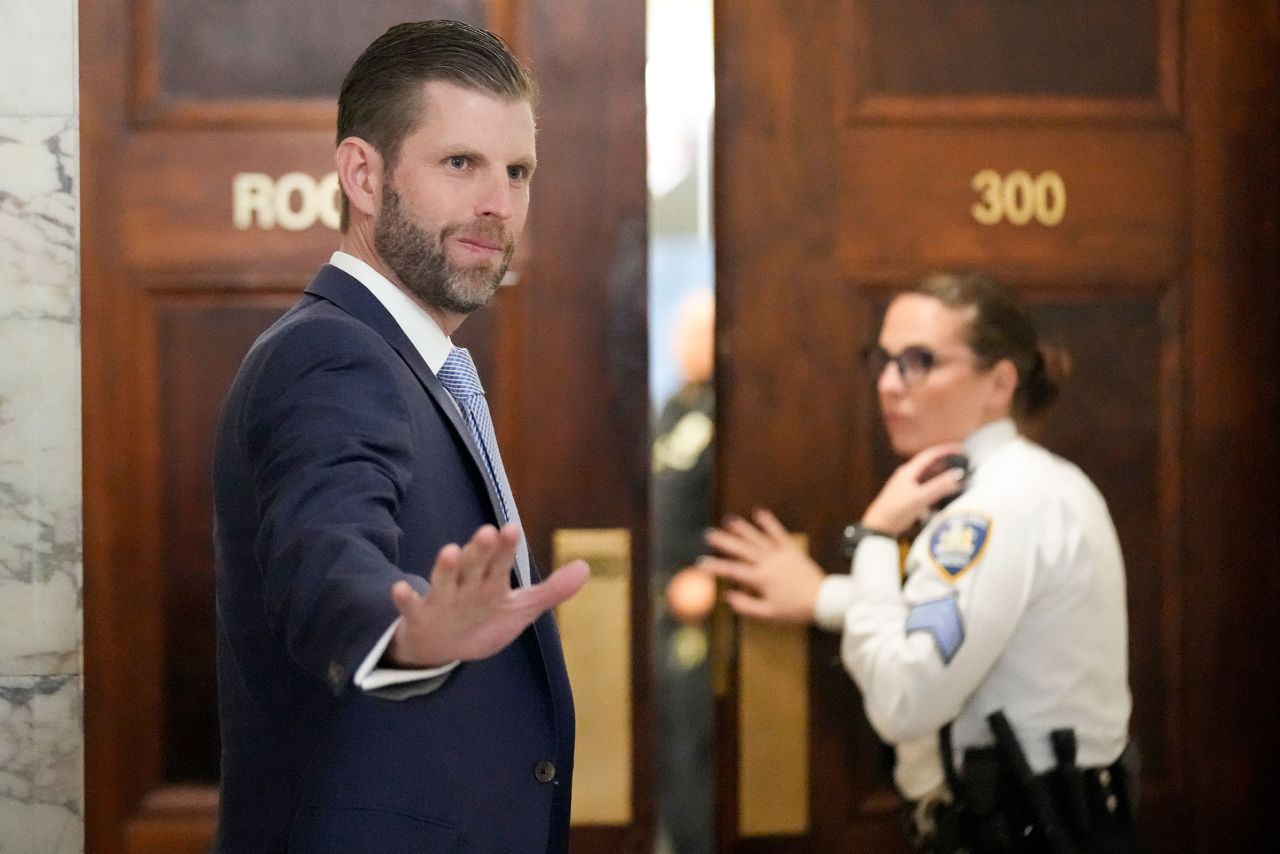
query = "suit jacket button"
{"x": 336, "y": 673}
{"x": 544, "y": 771}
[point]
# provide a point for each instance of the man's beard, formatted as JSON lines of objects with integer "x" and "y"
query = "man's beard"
{"x": 421, "y": 263}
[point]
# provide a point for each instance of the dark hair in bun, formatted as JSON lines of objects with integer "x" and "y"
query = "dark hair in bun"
{"x": 1001, "y": 329}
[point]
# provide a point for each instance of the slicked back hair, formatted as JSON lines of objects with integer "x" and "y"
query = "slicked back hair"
{"x": 380, "y": 101}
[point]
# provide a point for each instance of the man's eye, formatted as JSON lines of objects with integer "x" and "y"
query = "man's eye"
{"x": 458, "y": 161}
{"x": 517, "y": 173}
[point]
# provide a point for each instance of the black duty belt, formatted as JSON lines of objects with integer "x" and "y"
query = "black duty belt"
{"x": 998, "y": 805}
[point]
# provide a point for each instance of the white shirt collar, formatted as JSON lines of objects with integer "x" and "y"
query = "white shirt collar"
{"x": 984, "y": 441}
{"x": 423, "y": 332}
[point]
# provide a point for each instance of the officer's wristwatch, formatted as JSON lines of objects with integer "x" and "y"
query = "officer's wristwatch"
{"x": 855, "y": 533}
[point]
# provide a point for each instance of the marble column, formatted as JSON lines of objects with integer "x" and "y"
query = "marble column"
{"x": 41, "y": 719}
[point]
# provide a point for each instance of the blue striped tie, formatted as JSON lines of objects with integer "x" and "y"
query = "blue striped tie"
{"x": 458, "y": 375}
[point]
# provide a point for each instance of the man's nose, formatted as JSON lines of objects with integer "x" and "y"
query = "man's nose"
{"x": 495, "y": 197}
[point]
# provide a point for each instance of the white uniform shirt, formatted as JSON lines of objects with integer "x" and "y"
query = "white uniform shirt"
{"x": 1014, "y": 600}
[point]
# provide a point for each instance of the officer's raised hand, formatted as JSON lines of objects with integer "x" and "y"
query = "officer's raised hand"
{"x": 777, "y": 580}
{"x": 905, "y": 500}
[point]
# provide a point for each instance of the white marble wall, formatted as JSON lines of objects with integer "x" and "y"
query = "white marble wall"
{"x": 41, "y": 719}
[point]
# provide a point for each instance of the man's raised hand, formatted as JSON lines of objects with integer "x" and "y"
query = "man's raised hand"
{"x": 471, "y": 610}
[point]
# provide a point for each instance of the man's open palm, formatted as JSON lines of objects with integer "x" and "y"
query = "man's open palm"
{"x": 471, "y": 610}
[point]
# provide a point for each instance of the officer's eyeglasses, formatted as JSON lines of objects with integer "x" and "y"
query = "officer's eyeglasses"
{"x": 914, "y": 363}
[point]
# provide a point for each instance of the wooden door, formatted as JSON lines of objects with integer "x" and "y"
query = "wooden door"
{"x": 207, "y": 139}
{"x": 1119, "y": 162}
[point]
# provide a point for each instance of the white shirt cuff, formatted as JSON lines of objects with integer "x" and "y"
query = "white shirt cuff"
{"x": 835, "y": 595}
{"x": 370, "y": 677}
{"x": 837, "y": 592}
{"x": 876, "y": 567}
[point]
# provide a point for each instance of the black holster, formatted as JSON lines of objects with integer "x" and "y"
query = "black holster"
{"x": 1000, "y": 807}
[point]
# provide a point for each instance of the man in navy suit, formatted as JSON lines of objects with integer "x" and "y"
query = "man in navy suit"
{"x": 390, "y": 678}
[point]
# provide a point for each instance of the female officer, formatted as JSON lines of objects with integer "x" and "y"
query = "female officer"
{"x": 1014, "y": 594}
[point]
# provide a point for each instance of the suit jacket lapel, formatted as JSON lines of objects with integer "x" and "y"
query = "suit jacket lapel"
{"x": 339, "y": 288}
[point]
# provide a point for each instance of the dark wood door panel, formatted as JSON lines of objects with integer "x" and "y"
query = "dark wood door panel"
{"x": 178, "y": 216}
{"x": 266, "y": 63}
{"x": 276, "y": 49}
{"x": 1097, "y": 60}
{"x": 1117, "y": 208}
{"x": 200, "y": 340}
{"x": 1089, "y": 48}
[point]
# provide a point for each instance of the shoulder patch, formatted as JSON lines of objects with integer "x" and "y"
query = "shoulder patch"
{"x": 958, "y": 542}
{"x": 940, "y": 618}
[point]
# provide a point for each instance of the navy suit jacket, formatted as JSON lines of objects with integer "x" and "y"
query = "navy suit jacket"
{"x": 341, "y": 466}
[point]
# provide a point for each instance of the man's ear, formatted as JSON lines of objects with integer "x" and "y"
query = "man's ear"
{"x": 360, "y": 172}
